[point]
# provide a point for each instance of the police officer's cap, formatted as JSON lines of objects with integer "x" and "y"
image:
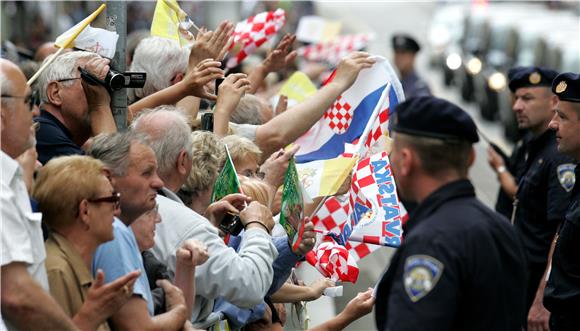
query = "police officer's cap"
{"x": 567, "y": 87}
{"x": 432, "y": 117}
{"x": 405, "y": 43}
{"x": 530, "y": 77}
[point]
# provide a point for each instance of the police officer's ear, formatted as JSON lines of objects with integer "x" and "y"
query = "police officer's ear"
{"x": 471, "y": 160}
{"x": 408, "y": 160}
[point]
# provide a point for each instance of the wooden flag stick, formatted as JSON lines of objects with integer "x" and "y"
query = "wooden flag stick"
{"x": 44, "y": 66}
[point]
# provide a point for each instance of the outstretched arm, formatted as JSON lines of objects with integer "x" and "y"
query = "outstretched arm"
{"x": 291, "y": 124}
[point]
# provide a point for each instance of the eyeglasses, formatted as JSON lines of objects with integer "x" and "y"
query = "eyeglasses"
{"x": 115, "y": 198}
{"x": 67, "y": 79}
{"x": 32, "y": 99}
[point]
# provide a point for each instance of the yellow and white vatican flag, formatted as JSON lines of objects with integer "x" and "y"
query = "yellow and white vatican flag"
{"x": 171, "y": 22}
{"x": 297, "y": 88}
{"x": 324, "y": 177}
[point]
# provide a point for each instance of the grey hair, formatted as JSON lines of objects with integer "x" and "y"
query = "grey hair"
{"x": 167, "y": 137}
{"x": 65, "y": 66}
{"x": 113, "y": 150}
{"x": 248, "y": 111}
{"x": 161, "y": 59}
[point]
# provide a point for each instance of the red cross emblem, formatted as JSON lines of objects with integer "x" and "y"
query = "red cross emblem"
{"x": 339, "y": 116}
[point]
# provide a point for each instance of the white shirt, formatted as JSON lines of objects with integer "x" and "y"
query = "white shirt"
{"x": 242, "y": 278}
{"x": 22, "y": 239}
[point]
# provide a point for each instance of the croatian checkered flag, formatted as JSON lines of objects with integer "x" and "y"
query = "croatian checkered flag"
{"x": 333, "y": 51}
{"x": 334, "y": 261}
{"x": 254, "y": 32}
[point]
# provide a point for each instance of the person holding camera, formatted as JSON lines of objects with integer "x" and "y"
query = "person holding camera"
{"x": 72, "y": 110}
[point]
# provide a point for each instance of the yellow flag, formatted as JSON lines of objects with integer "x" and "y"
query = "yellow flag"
{"x": 297, "y": 88}
{"x": 68, "y": 37}
{"x": 324, "y": 177}
{"x": 166, "y": 22}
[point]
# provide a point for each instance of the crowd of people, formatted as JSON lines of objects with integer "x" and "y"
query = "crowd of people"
{"x": 130, "y": 239}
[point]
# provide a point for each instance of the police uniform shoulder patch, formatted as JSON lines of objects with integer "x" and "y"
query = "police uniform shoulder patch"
{"x": 566, "y": 176}
{"x": 421, "y": 274}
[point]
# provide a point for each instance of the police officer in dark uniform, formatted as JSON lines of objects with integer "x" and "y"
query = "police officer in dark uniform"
{"x": 540, "y": 198}
{"x": 461, "y": 265}
{"x": 406, "y": 48}
{"x": 562, "y": 293}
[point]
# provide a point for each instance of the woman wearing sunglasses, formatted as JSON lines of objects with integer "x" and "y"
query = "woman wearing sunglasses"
{"x": 78, "y": 203}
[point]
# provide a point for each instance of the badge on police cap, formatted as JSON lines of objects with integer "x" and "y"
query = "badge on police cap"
{"x": 566, "y": 176}
{"x": 561, "y": 87}
{"x": 535, "y": 78}
{"x": 421, "y": 274}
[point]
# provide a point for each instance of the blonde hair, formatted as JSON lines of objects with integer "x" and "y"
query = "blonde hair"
{"x": 208, "y": 155}
{"x": 256, "y": 189}
{"x": 62, "y": 184}
{"x": 242, "y": 148}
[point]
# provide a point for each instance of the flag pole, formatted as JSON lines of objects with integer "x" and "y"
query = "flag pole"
{"x": 44, "y": 66}
{"x": 371, "y": 122}
{"x": 67, "y": 43}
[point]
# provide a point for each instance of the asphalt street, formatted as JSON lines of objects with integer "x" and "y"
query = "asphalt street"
{"x": 384, "y": 19}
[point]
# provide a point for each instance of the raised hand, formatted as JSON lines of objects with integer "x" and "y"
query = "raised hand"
{"x": 349, "y": 68}
{"x": 196, "y": 80}
{"x": 192, "y": 253}
{"x": 281, "y": 56}
{"x": 308, "y": 238}
{"x": 211, "y": 44}
{"x": 231, "y": 91}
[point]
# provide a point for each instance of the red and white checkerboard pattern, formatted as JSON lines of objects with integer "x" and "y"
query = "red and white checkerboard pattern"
{"x": 334, "y": 261}
{"x": 339, "y": 116}
{"x": 333, "y": 51}
{"x": 254, "y": 32}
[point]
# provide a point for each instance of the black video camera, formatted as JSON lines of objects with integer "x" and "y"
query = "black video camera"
{"x": 232, "y": 224}
{"x": 116, "y": 80}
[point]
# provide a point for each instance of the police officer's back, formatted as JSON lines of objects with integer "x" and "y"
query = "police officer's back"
{"x": 461, "y": 265}
{"x": 562, "y": 293}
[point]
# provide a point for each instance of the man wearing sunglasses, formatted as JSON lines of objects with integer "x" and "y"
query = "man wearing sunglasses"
{"x": 72, "y": 109}
{"x": 26, "y": 305}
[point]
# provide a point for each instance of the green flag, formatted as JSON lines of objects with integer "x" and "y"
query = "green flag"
{"x": 292, "y": 209}
{"x": 227, "y": 181}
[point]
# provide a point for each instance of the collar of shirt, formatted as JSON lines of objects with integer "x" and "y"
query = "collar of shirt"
{"x": 457, "y": 189}
{"x": 10, "y": 168}
{"x": 46, "y": 116}
{"x": 73, "y": 256}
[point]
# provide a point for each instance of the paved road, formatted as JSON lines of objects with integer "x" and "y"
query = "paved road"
{"x": 384, "y": 19}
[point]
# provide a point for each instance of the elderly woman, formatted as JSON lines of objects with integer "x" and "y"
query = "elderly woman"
{"x": 81, "y": 218}
{"x": 191, "y": 254}
{"x": 207, "y": 160}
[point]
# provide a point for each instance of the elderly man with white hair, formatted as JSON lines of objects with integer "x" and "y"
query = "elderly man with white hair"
{"x": 72, "y": 110}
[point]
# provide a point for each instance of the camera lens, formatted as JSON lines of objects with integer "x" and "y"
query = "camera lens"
{"x": 115, "y": 80}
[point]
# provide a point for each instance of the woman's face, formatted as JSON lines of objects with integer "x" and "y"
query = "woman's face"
{"x": 144, "y": 229}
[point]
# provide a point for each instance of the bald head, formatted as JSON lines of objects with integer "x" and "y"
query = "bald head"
{"x": 11, "y": 77}
{"x": 44, "y": 51}
{"x": 16, "y": 116}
